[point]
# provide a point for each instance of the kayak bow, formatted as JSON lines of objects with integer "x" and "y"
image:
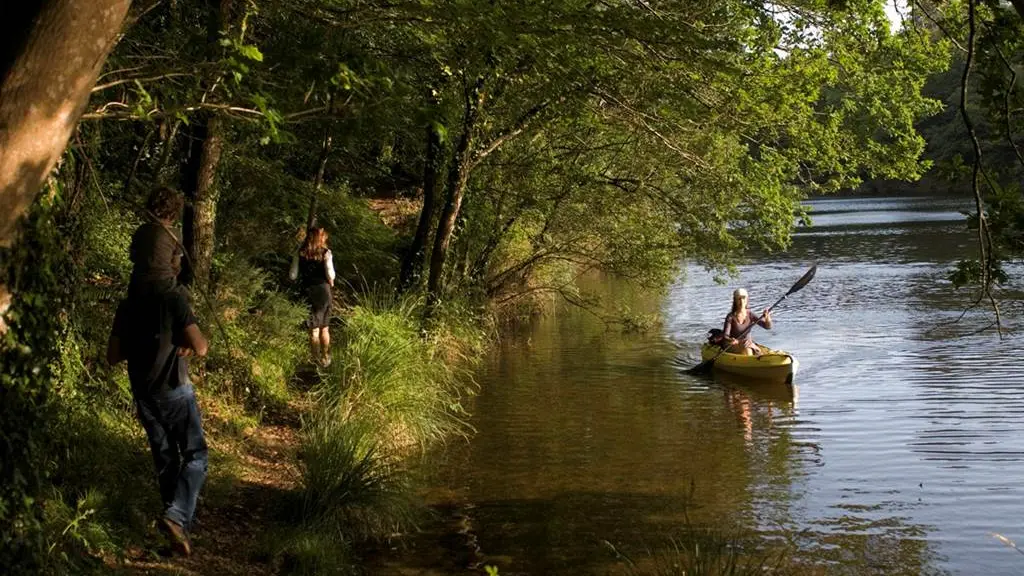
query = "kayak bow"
{"x": 772, "y": 365}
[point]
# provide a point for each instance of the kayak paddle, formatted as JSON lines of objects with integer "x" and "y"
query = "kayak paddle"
{"x": 705, "y": 366}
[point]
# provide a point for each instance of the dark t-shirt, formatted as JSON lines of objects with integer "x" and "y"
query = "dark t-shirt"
{"x": 150, "y": 328}
{"x": 154, "y": 253}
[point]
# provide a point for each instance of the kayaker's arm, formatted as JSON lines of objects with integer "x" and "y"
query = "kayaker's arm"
{"x": 765, "y": 321}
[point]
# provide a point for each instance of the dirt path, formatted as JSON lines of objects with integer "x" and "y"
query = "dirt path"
{"x": 240, "y": 506}
{"x": 253, "y": 479}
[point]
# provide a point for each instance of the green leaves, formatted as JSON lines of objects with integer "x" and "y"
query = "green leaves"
{"x": 636, "y": 136}
{"x": 273, "y": 120}
{"x": 249, "y": 51}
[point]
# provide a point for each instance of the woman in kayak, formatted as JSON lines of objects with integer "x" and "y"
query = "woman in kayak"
{"x": 736, "y": 332}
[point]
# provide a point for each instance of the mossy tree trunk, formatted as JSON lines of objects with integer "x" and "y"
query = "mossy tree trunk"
{"x": 51, "y": 53}
{"x": 206, "y": 141}
{"x": 199, "y": 179}
{"x": 412, "y": 263}
{"x": 455, "y": 189}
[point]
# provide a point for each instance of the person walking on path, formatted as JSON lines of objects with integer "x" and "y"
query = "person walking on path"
{"x": 314, "y": 264}
{"x": 157, "y": 333}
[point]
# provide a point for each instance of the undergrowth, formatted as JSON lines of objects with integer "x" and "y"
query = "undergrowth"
{"x": 396, "y": 387}
{"x": 393, "y": 390}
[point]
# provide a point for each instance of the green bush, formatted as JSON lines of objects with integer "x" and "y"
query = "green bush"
{"x": 352, "y": 485}
{"x": 32, "y": 272}
{"x": 103, "y": 240}
{"x": 389, "y": 372}
{"x": 257, "y": 345}
{"x": 75, "y": 536}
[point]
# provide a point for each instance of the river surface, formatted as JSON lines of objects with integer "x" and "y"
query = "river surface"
{"x": 899, "y": 452}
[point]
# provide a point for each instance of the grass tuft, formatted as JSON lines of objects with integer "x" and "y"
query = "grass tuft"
{"x": 388, "y": 371}
{"x": 353, "y": 487}
{"x": 701, "y": 551}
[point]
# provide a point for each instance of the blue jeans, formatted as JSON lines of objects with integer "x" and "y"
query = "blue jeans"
{"x": 179, "y": 449}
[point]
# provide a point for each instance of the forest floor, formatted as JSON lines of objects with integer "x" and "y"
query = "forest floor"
{"x": 252, "y": 473}
{"x": 245, "y": 505}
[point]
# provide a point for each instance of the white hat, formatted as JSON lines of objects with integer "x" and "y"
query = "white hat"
{"x": 739, "y": 293}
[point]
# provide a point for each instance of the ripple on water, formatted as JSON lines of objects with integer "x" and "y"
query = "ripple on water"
{"x": 899, "y": 453}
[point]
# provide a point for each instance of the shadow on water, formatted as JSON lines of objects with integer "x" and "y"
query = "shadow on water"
{"x": 561, "y": 534}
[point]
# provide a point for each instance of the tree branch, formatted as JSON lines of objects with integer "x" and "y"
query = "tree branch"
{"x": 522, "y": 124}
{"x": 938, "y": 25}
{"x": 103, "y": 113}
{"x": 984, "y": 234}
{"x": 102, "y": 87}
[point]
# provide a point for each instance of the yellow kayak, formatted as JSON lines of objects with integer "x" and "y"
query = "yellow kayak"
{"x": 772, "y": 365}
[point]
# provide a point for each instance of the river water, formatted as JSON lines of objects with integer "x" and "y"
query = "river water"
{"x": 899, "y": 452}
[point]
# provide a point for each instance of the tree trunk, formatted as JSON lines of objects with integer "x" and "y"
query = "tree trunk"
{"x": 456, "y": 189}
{"x": 412, "y": 264}
{"x": 458, "y": 175}
{"x": 206, "y": 140}
{"x": 318, "y": 181}
{"x": 200, "y": 187}
{"x": 50, "y": 55}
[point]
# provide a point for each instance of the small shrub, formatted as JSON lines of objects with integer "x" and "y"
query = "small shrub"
{"x": 76, "y": 535}
{"x": 393, "y": 374}
{"x": 352, "y": 486}
{"x": 257, "y": 345}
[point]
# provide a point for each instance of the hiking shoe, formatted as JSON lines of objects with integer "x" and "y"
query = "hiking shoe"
{"x": 327, "y": 361}
{"x": 176, "y": 533}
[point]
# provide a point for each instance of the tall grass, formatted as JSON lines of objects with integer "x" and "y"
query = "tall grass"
{"x": 307, "y": 552}
{"x": 406, "y": 381}
{"x": 393, "y": 388}
{"x": 353, "y": 486}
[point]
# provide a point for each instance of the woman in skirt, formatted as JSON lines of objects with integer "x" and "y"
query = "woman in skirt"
{"x": 314, "y": 265}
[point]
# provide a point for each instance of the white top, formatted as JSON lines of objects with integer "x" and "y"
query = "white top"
{"x": 329, "y": 266}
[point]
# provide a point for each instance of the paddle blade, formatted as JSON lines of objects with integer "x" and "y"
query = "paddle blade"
{"x": 702, "y": 368}
{"x": 804, "y": 280}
